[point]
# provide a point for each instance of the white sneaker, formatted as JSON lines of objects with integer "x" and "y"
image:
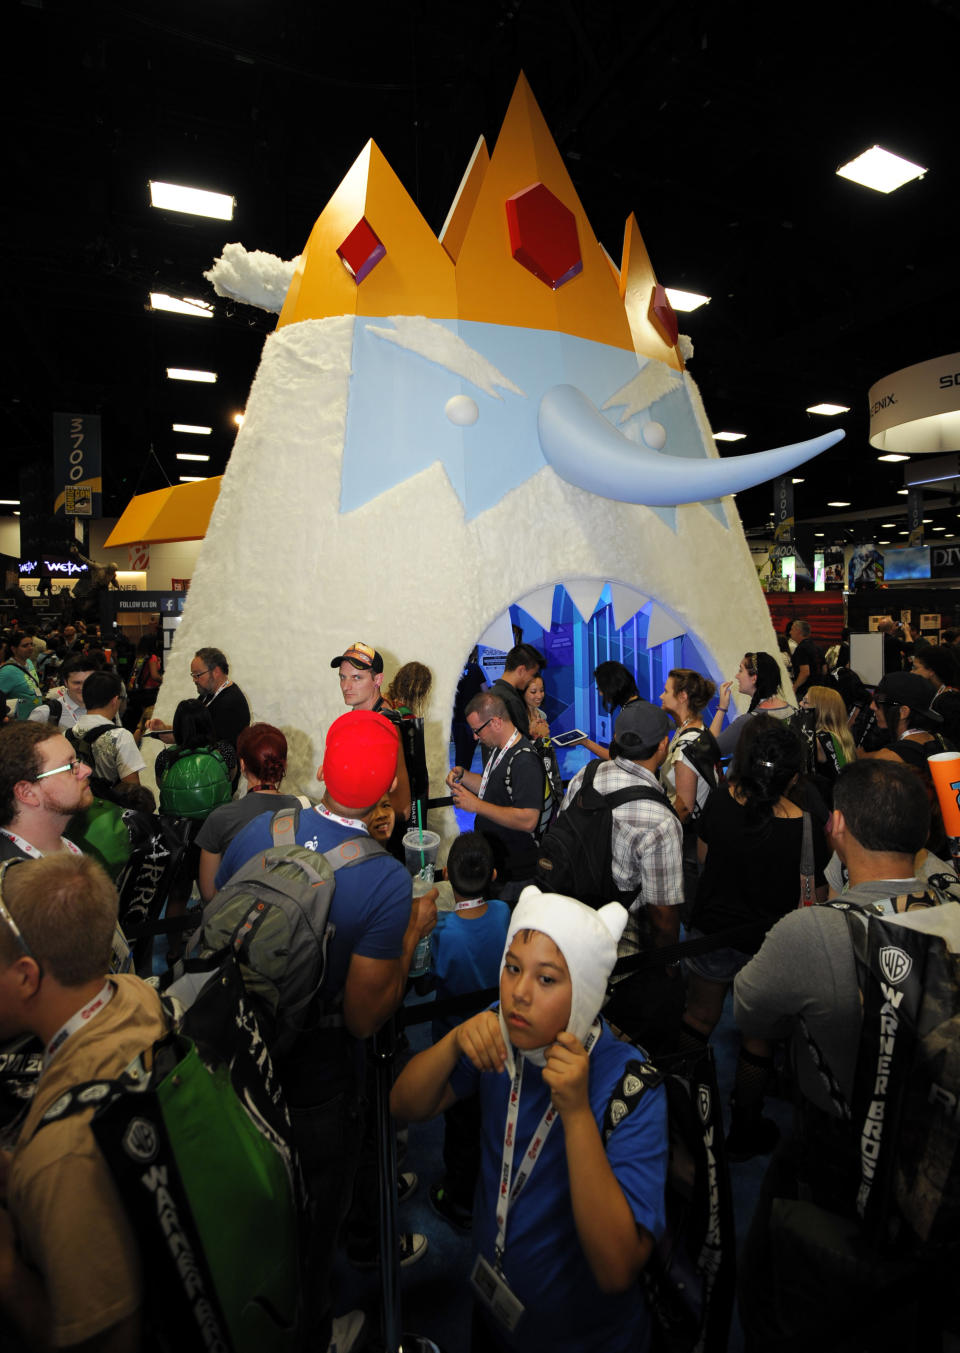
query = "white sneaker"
{"x": 348, "y": 1332}
{"x": 413, "y": 1246}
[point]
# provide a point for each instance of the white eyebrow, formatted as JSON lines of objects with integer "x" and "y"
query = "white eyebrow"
{"x": 651, "y": 383}
{"x": 437, "y": 344}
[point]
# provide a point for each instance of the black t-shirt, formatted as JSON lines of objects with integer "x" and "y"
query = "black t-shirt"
{"x": 516, "y": 708}
{"x": 808, "y": 654}
{"x": 229, "y": 713}
{"x": 517, "y": 782}
{"x": 750, "y": 874}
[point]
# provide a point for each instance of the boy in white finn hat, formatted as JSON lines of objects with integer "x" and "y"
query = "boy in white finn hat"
{"x": 574, "y": 1151}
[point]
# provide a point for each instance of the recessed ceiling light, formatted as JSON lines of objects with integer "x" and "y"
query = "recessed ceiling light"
{"x": 729, "y": 436}
{"x": 238, "y": 419}
{"x": 939, "y": 528}
{"x": 798, "y": 481}
{"x": 192, "y": 478}
{"x": 819, "y": 533}
{"x": 190, "y": 455}
{"x": 9, "y": 502}
{"x": 927, "y": 521}
{"x": 838, "y": 504}
{"x": 883, "y": 542}
{"x": 903, "y": 493}
{"x": 193, "y": 201}
{"x": 892, "y": 458}
{"x": 887, "y": 525}
{"x": 828, "y": 408}
{"x": 181, "y": 306}
{"x": 903, "y": 533}
{"x": 182, "y": 373}
{"x": 881, "y": 169}
{"x": 685, "y": 300}
{"x": 192, "y": 427}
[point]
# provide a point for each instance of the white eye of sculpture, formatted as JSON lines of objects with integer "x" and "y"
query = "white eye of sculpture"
{"x": 654, "y": 435}
{"x": 462, "y": 410}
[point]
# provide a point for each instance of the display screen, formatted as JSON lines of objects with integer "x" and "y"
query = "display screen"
{"x": 909, "y": 563}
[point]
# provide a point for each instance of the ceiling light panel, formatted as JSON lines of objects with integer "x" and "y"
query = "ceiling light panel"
{"x": 192, "y": 201}
{"x": 881, "y": 170}
{"x": 183, "y": 373}
{"x": 685, "y": 300}
{"x": 181, "y": 305}
{"x": 828, "y": 409}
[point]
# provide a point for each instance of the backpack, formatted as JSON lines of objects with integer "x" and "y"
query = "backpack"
{"x": 576, "y": 855}
{"x": 55, "y": 708}
{"x": 82, "y": 744}
{"x": 197, "y": 1138}
{"x": 273, "y": 914}
{"x": 690, "y": 1278}
{"x": 903, "y": 1113}
{"x": 196, "y": 783}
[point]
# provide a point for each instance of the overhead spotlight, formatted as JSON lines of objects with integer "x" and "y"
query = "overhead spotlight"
{"x": 192, "y": 201}
{"x": 238, "y": 419}
{"x": 881, "y": 170}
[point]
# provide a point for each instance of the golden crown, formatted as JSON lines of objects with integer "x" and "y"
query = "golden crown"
{"x": 517, "y": 248}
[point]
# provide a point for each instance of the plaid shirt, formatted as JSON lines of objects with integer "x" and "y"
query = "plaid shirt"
{"x": 647, "y": 837}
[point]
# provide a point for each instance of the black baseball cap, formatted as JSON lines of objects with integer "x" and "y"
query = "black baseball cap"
{"x": 361, "y": 655}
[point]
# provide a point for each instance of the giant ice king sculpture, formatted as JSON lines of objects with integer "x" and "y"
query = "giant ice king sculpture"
{"x": 441, "y": 427}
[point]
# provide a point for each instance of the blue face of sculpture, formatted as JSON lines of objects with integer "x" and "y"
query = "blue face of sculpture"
{"x": 496, "y": 403}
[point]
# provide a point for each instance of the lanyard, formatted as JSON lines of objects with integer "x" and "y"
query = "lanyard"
{"x": 102, "y": 999}
{"x": 354, "y": 822}
{"x": 470, "y": 904}
{"x": 494, "y": 762}
{"x": 213, "y": 697}
{"x": 507, "y": 1196}
{"x": 32, "y": 851}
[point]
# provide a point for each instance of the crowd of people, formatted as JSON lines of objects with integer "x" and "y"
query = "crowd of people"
{"x": 724, "y": 829}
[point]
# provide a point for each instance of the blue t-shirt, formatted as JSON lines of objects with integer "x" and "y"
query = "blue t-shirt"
{"x": 466, "y": 955}
{"x": 370, "y": 911}
{"x": 565, "y": 1311}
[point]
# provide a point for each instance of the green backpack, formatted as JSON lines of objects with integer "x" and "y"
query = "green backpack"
{"x": 196, "y": 783}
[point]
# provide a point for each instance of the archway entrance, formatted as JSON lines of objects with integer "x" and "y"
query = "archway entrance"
{"x": 621, "y": 625}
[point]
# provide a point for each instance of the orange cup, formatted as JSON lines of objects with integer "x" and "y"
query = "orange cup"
{"x": 945, "y": 769}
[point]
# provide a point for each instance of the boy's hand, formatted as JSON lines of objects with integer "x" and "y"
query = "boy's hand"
{"x": 480, "y": 1039}
{"x": 567, "y": 1073}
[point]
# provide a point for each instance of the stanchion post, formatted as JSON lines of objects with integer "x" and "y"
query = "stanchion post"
{"x": 384, "y": 1047}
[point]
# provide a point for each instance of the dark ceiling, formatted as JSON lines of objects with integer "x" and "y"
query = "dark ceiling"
{"x": 719, "y": 124}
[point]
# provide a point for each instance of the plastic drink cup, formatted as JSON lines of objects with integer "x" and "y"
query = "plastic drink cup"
{"x": 420, "y": 849}
{"x": 945, "y": 769}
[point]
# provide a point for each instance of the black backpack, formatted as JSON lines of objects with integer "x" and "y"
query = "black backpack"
{"x": 576, "y": 855}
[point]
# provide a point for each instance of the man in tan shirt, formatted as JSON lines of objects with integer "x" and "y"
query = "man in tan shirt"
{"x": 69, "y": 1264}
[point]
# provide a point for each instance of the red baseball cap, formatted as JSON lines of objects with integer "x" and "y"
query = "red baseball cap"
{"x": 360, "y": 758}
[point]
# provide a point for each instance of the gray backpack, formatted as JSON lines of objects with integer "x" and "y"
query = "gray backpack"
{"x": 274, "y": 914}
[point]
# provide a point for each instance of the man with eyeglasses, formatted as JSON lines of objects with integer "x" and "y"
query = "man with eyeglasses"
{"x": 69, "y": 1264}
{"x": 507, "y": 798}
{"x": 42, "y": 786}
{"x": 225, "y": 701}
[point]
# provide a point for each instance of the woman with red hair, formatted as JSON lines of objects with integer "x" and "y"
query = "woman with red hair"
{"x": 262, "y": 750}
